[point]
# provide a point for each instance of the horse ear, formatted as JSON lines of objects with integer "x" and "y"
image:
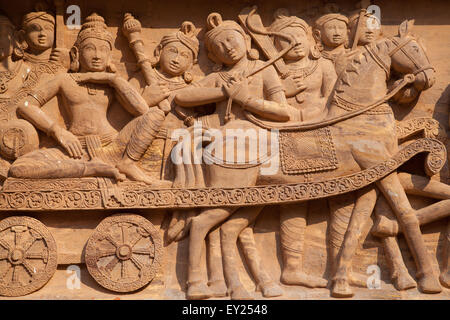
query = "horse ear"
{"x": 405, "y": 28}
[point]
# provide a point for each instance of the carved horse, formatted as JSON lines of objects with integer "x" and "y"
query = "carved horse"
{"x": 361, "y": 142}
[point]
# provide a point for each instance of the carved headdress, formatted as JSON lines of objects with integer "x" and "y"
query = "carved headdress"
{"x": 186, "y": 35}
{"x": 283, "y": 20}
{"x": 320, "y": 22}
{"x": 94, "y": 27}
{"x": 216, "y": 25}
{"x": 42, "y": 15}
{"x": 354, "y": 18}
{"x": 328, "y": 17}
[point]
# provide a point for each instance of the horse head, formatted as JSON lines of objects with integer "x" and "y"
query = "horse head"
{"x": 409, "y": 57}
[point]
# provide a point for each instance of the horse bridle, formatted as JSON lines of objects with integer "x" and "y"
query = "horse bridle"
{"x": 401, "y": 46}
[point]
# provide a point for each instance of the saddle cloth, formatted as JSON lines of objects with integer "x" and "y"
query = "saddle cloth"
{"x": 307, "y": 151}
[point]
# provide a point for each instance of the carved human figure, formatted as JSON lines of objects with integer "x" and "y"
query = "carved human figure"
{"x": 13, "y": 74}
{"x": 262, "y": 93}
{"x": 331, "y": 34}
{"x": 175, "y": 56}
{"x": 310, "y": 78}
{"x": 318, "y": 77}
{"x": 365, "y": 31}
{"x": 37, "y": 36}
{"x": 40, "y": 62}
{"x": 91, "y": 146}
{"x": 168, "y": 72}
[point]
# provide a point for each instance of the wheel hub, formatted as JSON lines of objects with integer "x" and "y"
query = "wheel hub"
{"x": 16, "y": 256}
{"x": 124, "y": 252}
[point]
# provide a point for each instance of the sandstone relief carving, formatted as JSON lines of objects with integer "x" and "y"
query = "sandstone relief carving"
{"x": 185, "y": 143}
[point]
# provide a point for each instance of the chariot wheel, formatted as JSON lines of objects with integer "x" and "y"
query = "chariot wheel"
{"x": 28, "y": 256}
{"x": 124, "y": 252}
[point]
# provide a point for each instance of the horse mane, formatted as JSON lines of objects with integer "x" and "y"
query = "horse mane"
{"x": 353, "y": 70}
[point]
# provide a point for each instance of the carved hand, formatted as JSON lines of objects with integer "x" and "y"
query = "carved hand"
{"x": 293, "y": 85}
{"x": 61, "y": 56}
{"x": 156, "y": 93}
{"x": 237, "y": 89}
{"x": 68, "y": 141}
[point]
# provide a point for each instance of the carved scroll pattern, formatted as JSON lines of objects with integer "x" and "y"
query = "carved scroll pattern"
{"x": 133, "y": 195}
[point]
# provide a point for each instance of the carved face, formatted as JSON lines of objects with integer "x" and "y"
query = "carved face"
{"x": 6, "y": 41}
{"x": 229, "y": 47}
{"x": 95, "y": 55}
{"x": 301, "y": 47}
{"x": 176, "y": 58}
{"x": 334, "y": 33}
{"x": 370, "y": 31}
{"x": 40, "y": 35}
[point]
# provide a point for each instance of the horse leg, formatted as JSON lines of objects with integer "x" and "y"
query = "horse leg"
{"x": 292, "y": 234}
{"x": 216, "y": 281}
{"x": 200, "y": 226}
{"x": 268, "y": 287}
{"x": 445, "y": 274}
{"x": 362, "y": 210}
{"x": 400, "y": 276}
{"x": 229, "y": 233}
{"x": 424, "y": 186}
{"x": 396, "y": 196}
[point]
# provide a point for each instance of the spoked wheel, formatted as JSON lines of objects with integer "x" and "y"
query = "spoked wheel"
{"x": 28, "y": 256}
{"x": 124, "y": 252}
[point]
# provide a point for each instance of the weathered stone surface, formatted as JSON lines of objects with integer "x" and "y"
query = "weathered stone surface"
{"x": 118, "y": 153}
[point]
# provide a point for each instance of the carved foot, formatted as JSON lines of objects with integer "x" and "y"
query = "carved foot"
{"x": 133, "y": 172}
{"x": 341, "y": 289}
{"x": 445, "y": 278}
{"x": 218, "y": 288}
{"x": 298, "y": 278}
{"x": 429, "y": 284}
{"x": 357, "y": 280}
{"x": 197, "y": 291}
{"x": 271, "y": 289}
{"x": 404, "y": 281}
{"x": 239, "y": 293}
{"x": 101, "y": 169}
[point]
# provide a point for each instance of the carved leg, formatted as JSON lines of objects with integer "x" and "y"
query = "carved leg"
{"x": 445, "y": 274}
{"x": 179, "y": 224}
{"x": 200, "y": 226}
{"x": 268, "y": 287}
{"x": 362, "y": 210}
{"x": 187, "y": 224}
{"x": 229, "y": 233}
{"x": 424, "y": 186}
{"x": 140, "y": 134}
{"x": 396, "y": 196}
{"x": 341, "y": 208}
{"x": 292, "y": 233}
{"x": 214, "y": 262}
{"x": 400, "y": 276}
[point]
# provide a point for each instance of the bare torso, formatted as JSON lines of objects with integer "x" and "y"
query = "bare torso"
{"x": 87, "y": 104}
